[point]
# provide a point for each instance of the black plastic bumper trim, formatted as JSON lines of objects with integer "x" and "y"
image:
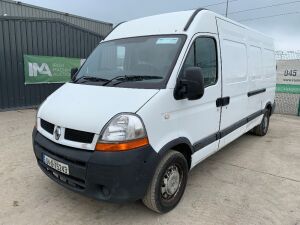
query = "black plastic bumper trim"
{"x": 206, "y": 141}
{"x": 109, "y": 176}
{"x": 222, "y": 133}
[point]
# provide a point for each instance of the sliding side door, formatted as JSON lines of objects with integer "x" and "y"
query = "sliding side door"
{"x": 234, "y": 99}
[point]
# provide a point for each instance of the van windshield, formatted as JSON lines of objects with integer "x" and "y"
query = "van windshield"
{"x": 141, "y": 62}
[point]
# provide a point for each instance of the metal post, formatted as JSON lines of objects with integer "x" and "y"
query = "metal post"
{"x": 299, "y": 108}
{"x": 227, "y": 7}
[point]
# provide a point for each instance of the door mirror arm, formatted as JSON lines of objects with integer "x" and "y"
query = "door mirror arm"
{"x": 74, "y": 73}
{"x": 180, "y": 90}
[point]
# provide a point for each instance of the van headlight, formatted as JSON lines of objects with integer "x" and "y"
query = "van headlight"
{"x": 123, "y": 132}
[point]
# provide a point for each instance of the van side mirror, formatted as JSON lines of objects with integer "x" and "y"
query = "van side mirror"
{"x": 73, "y": 73}
{"x": 190, "y": 85}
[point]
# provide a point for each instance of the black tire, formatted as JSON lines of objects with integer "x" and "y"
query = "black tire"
{"x": 159, "y": 197}
{"x": 263, "y": 127}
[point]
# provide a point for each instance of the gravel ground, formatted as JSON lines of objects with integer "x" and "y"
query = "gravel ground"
{"x": 253, "y": 180}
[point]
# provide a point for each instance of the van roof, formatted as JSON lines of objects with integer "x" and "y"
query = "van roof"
{"x": 182, "y": 22}
{"x": 168, "y": 23}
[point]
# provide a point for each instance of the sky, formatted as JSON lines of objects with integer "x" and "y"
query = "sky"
{"x": 285, "y": 29}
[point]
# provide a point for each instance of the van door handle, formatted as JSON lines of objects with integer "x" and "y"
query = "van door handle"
{"x": 222, "y": 101}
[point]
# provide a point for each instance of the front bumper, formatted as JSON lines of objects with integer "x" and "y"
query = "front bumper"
{"x": 110, "y": 176}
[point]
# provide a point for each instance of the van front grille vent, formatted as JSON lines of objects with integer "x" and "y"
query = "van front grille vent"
{"x": 49, "y": 127}
{"x": 79, "y": 136}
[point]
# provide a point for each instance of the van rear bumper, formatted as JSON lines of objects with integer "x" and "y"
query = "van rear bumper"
{"x": 109, "y": 176}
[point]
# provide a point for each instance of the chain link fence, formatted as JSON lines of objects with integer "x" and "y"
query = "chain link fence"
{"x": 287, "y": 103}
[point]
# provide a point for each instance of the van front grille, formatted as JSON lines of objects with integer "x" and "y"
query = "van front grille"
{"x": 73, "y": 182}
{"x": 74, "y": 179}
{"x": 79, "y": 136}
{"x": 70, "y": 134}
{"x": 49, "y": 127}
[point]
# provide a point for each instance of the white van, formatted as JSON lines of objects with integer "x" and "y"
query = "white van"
{"x": 154, "y": 99}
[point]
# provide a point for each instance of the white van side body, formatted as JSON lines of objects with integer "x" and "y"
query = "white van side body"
{"x": 246, "y": 63}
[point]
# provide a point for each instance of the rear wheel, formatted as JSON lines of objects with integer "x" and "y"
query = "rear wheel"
{"x": 262, "y": 128}
{"x": 168, "y": 183}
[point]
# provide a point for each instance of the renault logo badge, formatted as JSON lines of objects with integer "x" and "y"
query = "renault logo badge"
{"x": 57, "y": 133}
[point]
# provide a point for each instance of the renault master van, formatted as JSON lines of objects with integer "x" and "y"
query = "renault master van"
{"x": 156, "y": 97}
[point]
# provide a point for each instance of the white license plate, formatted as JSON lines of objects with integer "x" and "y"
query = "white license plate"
{"x": 60, "y": 167}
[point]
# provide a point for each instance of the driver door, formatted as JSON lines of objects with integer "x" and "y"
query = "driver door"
{"x": 201, "y": 118}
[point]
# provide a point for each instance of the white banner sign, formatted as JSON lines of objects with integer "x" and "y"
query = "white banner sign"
{"x": 288, "y": 76}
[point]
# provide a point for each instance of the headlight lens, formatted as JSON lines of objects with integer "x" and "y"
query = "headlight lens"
{"x": 123, "y": 132}
{"x": 124, "y": 128}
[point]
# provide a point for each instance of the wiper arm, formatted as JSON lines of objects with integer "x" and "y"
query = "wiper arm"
{"x": 126, "y": 78}
{"x": 91, "y": 78}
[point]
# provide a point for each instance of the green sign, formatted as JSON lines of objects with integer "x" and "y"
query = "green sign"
{"x": 287, "y": 88}
{"x": 48, "y": 69}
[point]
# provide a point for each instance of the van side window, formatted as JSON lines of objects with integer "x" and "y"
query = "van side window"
{"x": 203, "y": 54}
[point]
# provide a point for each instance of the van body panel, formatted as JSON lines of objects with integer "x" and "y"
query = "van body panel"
{"x": 232, "y": 136}
{"x": 205, "y": 152}
{"x": 167, "y": 119}
{"x": 204, "y": 22}
{"x": 187, "y": 118}
{"x": 160, "y": 117}
{"x": 234, "y": 72}
{"x": 246, "y": 79}
{"x": 88, "y": 108}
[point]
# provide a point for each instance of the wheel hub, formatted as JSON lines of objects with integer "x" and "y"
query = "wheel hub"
{"x": 171, "y": 182}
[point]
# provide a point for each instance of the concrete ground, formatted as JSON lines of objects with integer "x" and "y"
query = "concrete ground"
{"x": 254, "y": 180}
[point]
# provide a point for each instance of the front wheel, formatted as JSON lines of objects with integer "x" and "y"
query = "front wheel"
{"x": 168, "y": 183}
{"x": 262, "y": 128}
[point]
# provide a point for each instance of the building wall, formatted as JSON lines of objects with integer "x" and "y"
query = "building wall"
{"x": 13, "y": 8}
{"x": 49, "y": 37}
{"x": 288, "y": 101}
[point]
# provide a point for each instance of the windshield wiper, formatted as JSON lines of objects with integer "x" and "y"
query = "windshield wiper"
{"x": 91, "y": 78}
{"x": 128, "y": 78}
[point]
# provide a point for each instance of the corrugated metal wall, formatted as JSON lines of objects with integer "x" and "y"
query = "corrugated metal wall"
{"x": 36, "y": 37}
{"x": 14, "y": 8}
